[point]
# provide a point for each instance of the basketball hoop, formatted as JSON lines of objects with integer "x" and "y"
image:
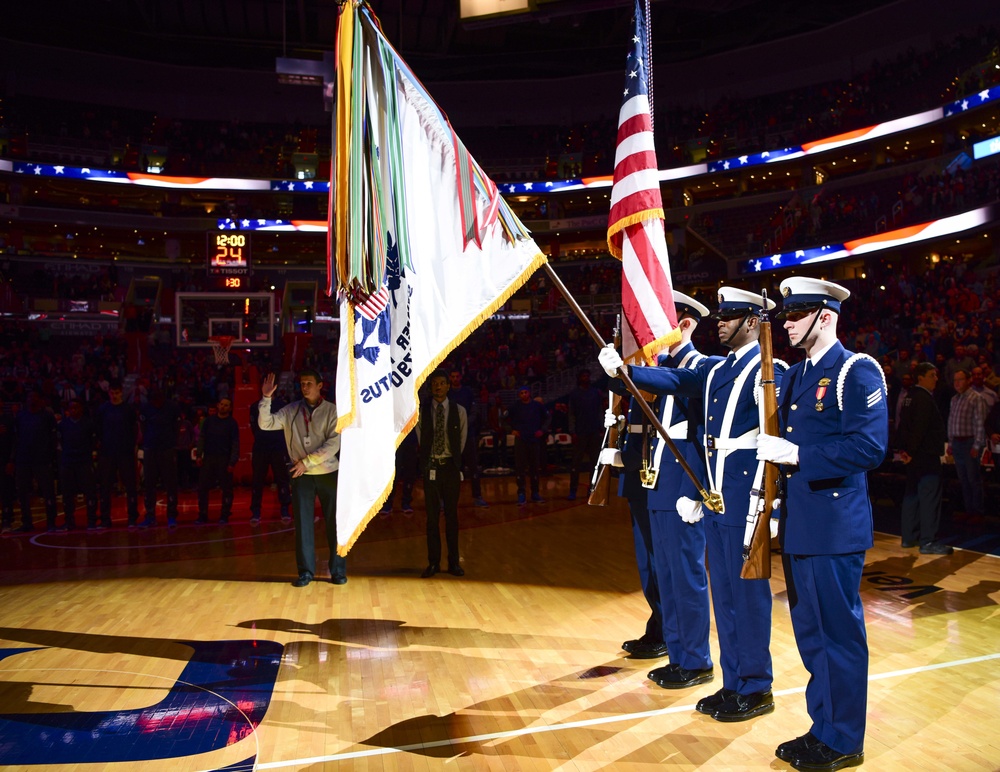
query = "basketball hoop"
{"x": 220, "y": 345}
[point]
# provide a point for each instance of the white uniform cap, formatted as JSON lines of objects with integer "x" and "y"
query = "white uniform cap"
{"x": 733, "y": 301}
{"x": 687, "y": 304}
{"x": 802, "y": 293}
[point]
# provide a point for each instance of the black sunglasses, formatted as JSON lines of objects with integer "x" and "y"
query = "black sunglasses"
{"x": 798, "y": 316}
{"x": 728, "y": 316}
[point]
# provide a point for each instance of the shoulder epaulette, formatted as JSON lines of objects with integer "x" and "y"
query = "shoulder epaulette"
{"x": 842, "y": 377}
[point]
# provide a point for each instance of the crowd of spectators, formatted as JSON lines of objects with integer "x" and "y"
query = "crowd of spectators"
{"x": 864, "y": 209}
{"x": 885, "y": 89}
{"x": 910, "y": 82}
{"x": 947, "y": 313}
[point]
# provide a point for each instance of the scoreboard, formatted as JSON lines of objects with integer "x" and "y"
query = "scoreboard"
{"x": 228, "y": 259}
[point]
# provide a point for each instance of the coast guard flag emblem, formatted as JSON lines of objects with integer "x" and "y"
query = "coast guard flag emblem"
{"x": 635, "y": 225}
{"x": 422, "y": 250}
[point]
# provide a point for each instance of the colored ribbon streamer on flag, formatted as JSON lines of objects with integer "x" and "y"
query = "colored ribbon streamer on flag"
{"x": 635, "y": 225}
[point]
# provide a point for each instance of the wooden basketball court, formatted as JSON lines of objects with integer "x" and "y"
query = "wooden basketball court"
{"x": 188, "y": 649}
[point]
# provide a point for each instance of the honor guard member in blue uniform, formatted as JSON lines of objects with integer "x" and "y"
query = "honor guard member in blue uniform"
{"x": 679, "y": 546}
{"x": 732, "y": 423}
{"x": 835, "y": 429}
{"x": 651, "y": 644}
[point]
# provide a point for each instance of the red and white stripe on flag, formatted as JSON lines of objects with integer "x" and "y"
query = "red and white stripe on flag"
{"x": 374, "y": 304}
{"x": 635, "y": 225}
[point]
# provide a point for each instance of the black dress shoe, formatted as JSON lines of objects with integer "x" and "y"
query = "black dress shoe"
{"x": 629, "y": 645}
{"x": 820, "y": 756}
{"x": 338, "y": 579}
{"x": 456, "y": 570}
{"x": 787, "y": 751}
{"x": 676, "y": 677}
{"x": 658, "y": 672}
{"x": 645, "y": 650}
{"x": 303, "y": 580}
{"x": 742, "y": 707}
{"x": 432, "y": 569}
{"x": 708, "y": 705}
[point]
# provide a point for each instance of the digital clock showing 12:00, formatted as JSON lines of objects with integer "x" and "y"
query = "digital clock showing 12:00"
{"x": 228, "y": 254}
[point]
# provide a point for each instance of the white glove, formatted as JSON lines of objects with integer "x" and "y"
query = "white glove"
{"x": 690, "y": 510}
{"x": 610, "y": 360}
{"x": 772, "y": 523}
{"x": 610, "y": 419}
{"x": 611, "y": 457}
{"x": 776, "y": 450}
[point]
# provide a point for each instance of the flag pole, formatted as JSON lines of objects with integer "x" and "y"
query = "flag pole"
{"x": 712, "y": 500}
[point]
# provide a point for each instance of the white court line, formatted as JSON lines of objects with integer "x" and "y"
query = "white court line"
{"x": 584, "y": 723}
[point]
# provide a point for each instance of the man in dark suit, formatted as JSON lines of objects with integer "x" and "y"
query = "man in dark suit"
{"x": 160, "y": 421}
{"x": 442, "y": 432}
{"x": 117, "y": 435}
{"x": 218, "y": 451}
{"x": 835, "y": 429}
{"x": 586, "y": 406}
{"x": 922, "y": 436}
{"x": 528, "y": 421}
{"x": 77, "y": 440}
{"x": 466, "y": 397}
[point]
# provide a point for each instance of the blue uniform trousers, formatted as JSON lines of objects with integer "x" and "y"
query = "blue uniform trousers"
{"x": 643, "y": 538}
{"x": 829, "y": 623}
{"x": 742, "y": 612}
{"x": 679, "y": 567}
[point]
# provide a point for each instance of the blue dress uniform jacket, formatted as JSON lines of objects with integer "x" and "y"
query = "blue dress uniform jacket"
{"x": 742, "y": 606}
{"x": 679, "y": 547}
{"x": 826, "y": 525}
{"x": 827, "y": 493}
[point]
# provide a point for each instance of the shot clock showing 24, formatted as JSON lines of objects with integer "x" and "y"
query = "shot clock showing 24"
{"x": 228, "y": 259}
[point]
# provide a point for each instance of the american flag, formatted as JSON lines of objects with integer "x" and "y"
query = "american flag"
{"x": 635, "y": 226}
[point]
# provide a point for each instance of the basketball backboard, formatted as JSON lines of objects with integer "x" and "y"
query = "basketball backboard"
{"x": 247, "y": 317}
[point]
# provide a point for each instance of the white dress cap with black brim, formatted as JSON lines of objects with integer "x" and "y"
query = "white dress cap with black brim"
{"x": 802, "y": 293}
{"x": 734, "y": 302}
{"x": 685, "y": 304}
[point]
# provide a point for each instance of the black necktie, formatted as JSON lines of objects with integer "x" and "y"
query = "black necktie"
{"x": 438, "y": 447}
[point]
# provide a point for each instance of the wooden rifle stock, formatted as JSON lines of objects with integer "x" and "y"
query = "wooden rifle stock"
{"x": 757, "y": 564}
{"x": 600, "y": 486}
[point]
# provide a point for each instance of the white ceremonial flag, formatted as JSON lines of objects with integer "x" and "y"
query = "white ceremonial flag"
{"x": 444, "y": 253}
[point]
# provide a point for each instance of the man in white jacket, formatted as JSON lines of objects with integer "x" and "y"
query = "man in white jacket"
{"x": 314, "y": 452}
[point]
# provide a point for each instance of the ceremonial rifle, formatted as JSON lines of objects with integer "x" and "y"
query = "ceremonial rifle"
{"x": 712, "y": 500}
{"x": 757, "y": 548}
{"x": 600, "y": 480}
